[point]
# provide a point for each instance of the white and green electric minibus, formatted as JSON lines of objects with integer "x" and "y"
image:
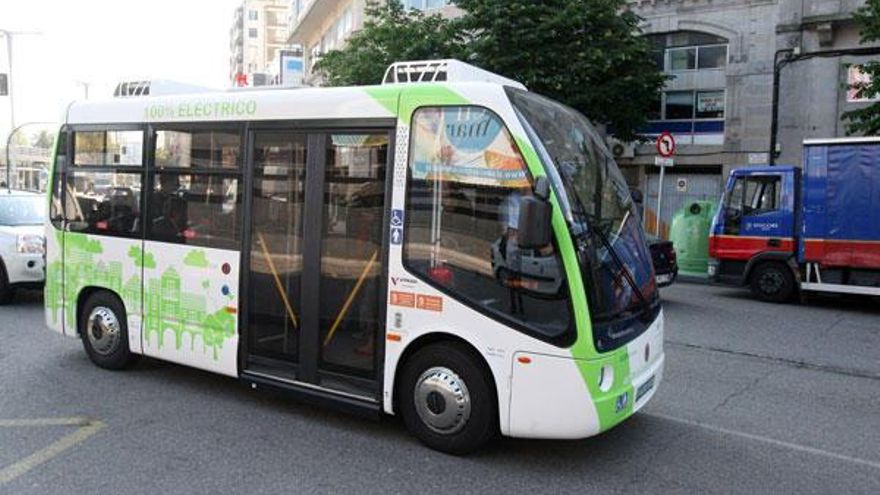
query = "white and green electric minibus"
{"x": 446, "y": 246}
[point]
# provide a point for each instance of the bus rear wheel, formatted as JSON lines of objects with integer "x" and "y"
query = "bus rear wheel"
{"x": 447, "y": 400}
{"x": 773, "y": 282}
{"x": 104, "y": 332}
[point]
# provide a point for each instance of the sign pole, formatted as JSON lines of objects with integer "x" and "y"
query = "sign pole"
{"x": 659, "y": 201}
{"x": 665, "y": 148}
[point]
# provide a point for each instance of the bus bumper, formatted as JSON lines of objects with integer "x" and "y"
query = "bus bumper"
{"x": 567, "y": 398}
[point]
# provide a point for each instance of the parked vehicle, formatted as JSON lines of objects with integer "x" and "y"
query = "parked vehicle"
{"x": 665, "y": 260}
{"x": 21, "y": 241}
{"x": 781, "y": 229}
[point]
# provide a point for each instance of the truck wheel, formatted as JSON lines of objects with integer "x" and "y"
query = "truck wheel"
{"x": 104, "y": 332}
{"x": 773, "y": 282}
{"x": 447, "y": 400}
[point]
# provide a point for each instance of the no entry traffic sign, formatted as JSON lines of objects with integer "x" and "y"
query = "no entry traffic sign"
{"x": 665, "y": 145}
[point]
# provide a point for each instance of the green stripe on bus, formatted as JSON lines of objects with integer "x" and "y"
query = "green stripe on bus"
{"x": 417, "y": 95}
{"x": 587, "y": 359}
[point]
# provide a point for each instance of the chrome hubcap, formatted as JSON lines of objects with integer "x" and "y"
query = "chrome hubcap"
{"x": 442, "y": 400}
{"x": 103, "y": 330}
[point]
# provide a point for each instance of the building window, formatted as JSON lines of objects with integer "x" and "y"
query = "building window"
{"x": 711, "y": 57}
{"x": 857, "y": 80}
{"x": 710, "y": 105}
{"x": 689, "y": 50}
{"x": 679, "y": 105}
{"x": 252, "y": 32}
{"x": 253, "y": 15}
{"x": 682, "y": 59}
{"x": 690, "y": 105}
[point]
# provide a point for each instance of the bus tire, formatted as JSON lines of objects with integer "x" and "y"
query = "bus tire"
{"x": 772, "y": 281}
{"x": 447, "y": 399}
{"x": 104, "y": 331}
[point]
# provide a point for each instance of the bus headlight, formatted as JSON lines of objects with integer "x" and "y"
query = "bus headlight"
{"x": 606, "y": 377}
{"x": 30, "y": 244}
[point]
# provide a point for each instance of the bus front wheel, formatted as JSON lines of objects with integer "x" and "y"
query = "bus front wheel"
{"x": 104, "y": 331}
{"x": 447, "y": 400}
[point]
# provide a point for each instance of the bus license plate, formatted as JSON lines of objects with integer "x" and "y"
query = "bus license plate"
{"x": 644, "y": 388}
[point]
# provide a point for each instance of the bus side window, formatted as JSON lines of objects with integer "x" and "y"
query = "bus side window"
{"x": 104, "y": 183}
{"x": 467, "y": 180}
{"x": 195, "y": 194}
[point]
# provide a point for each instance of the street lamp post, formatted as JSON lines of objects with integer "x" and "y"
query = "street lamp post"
{"x": 9, "y": 84}
{"x": 85, "y": 85}
{"x": 9, "y": 89}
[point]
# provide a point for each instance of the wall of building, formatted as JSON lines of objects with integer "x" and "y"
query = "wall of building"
{"x": 309, "y": 29}
{"x": 813, "y": 95}
{"x": 253, "y": 55}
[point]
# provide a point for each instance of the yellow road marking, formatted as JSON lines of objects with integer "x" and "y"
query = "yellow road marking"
{"x": 87, "y": 428}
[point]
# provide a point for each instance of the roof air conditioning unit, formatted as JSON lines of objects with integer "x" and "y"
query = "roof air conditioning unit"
{"x": 621, "y": 149}
{"x": 449, "y": 70}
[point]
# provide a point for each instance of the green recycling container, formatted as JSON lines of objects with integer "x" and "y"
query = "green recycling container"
{"x": 689, "y": 234}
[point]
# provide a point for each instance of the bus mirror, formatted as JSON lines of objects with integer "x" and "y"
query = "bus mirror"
{"x": 534, "y": 223}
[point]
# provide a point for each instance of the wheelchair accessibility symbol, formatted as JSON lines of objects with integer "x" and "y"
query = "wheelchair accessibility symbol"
{"x": 396, "y": 226}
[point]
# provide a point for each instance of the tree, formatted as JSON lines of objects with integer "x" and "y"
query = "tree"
{"x": 866, "y": 120}
{"x": 43, "y": 139}
{"x": 391, "y": 33}
{"x": 587, "y": 54}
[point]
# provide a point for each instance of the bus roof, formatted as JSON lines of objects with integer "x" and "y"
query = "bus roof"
{"x": 353, "y": 102}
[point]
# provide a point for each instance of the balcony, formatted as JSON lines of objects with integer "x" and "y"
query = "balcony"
{"x": 310, "y": 20}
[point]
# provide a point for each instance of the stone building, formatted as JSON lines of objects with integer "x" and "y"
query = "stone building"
{"x": 720, "y": 55}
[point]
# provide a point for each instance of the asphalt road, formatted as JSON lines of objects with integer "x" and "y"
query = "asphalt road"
{"x": 758, "y": 398}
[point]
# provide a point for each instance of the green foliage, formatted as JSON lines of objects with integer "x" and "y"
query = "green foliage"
{"x": 43, "y": 139}
{"x": 866, "y": 121}
{"x": 586, "y": 53}
{"x": 391, "y": 33}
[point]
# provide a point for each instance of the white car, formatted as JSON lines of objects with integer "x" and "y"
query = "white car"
{"x": 21, "y": 241}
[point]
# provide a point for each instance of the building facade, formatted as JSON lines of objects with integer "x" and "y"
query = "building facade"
{"x": 718, "y": 102}
{"x": 323, "y": 25}
{"x": 258, "y": 33}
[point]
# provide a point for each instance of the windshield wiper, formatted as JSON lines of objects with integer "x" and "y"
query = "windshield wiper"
{"x": 620, "y": 264}
{"x": 597, "y": 230}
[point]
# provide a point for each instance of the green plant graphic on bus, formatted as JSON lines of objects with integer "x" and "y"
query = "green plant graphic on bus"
{"x": 166, "y": 306}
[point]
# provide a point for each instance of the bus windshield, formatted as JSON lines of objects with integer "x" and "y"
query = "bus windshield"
{"x": 595, "y": 199}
